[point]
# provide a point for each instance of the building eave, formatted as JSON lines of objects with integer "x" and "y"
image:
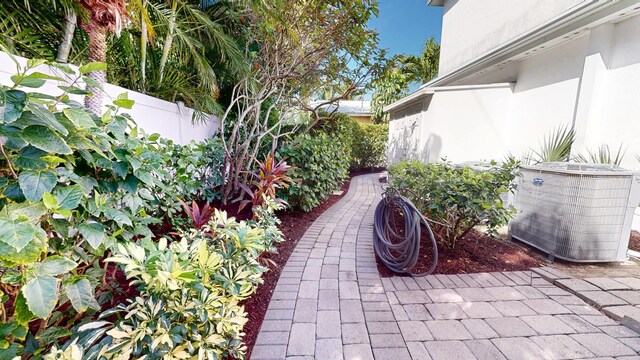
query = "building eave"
{"x": 409, "y": 99}
{"x": 577, "y": 19}
{"x": 435, "y": 2}
{"x": 425, "y": 91}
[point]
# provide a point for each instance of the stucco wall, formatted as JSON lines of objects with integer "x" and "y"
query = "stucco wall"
{"x": 545, "y": 93}
{"x": 152, "y": 114}
{"x": 470, "y": 28}
{"x": 619, "y": 122}
{"x": 464, "y": 122}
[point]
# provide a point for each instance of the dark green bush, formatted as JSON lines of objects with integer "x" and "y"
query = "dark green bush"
{"x": 457, "y": 198}
{"x": 369, "y": 146}
{"x": 321, "y": 164}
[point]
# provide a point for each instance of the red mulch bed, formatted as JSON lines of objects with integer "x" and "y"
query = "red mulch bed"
{"x": 634, "y": 241}
{"x": 294, "y": 225}
{"x": 476, "y": 252}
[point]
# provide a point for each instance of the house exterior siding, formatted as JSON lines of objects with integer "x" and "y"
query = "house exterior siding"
{"x": 470, "y": 28}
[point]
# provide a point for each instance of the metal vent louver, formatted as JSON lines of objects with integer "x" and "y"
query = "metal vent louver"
{"x": 576, "y": 212}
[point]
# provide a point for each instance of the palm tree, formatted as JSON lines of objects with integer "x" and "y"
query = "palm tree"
{"x": 103, "y": 16}
{"x": 424, "y": 67}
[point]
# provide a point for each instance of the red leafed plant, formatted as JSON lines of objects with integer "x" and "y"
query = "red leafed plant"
{"x": 199, "y": 215}
{"x": 270, "y": 177}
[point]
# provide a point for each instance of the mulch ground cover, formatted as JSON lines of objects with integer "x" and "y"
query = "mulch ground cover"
{"x": 475, "y": 253}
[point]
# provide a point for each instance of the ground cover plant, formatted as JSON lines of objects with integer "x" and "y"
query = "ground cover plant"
{"x": 455, "y": 199}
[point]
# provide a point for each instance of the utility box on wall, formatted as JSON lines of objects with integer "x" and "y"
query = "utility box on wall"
{"x": 576, "y": 212}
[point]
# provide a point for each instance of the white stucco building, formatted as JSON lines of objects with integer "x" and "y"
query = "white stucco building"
{"x": 513, "y": 70}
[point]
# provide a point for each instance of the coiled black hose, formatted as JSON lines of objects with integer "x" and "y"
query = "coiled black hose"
{"x": 398, "y": 252}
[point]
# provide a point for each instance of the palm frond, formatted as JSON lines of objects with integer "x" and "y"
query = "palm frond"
{"x": 602, "y": 155}
{"x": 556, "y": 146}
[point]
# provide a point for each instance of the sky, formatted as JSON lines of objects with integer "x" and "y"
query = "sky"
{"x": 404, "y": 25}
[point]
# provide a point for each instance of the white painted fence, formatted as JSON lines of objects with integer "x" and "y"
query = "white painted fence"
{"x": 170, "y": 120}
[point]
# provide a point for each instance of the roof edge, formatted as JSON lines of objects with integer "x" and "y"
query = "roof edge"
{"x": 426, "y": 91}
{"x": 561, "y": 24}
{"x": 435, "y": 2}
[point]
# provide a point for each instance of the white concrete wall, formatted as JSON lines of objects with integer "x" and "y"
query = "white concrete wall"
{"x": 470, "y": 28}
{"x": 463, "y": 122}
{"x": 545, "y": 93}
{"x": 619, "y": 119}
{"x": 154, "y": 115}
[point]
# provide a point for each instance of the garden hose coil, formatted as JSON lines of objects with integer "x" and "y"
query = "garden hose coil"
{"x": 399, "y": 252}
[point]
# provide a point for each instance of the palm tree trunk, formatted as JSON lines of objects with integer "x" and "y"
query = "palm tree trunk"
{"x": 69, "y": 27}
{"x": 169, "y": 39}
{"x": 144, "y": 39}
{"x": 97, "y": 52}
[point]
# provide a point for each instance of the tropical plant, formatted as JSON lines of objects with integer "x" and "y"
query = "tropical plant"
{"x": 194, "y": 172}
{"x": 295, "y": 52}
{"x": 72, "y": 185}
{"x": 602, "y": 156}
{"x": 270, "y": 177}
{"x": 177, "y": 50}
{"x": 424, "y": 67}
{"x": 200, "y": 216}
{"x": 190, "y": 295}
{"x": 392, "y": 79}
{"x": 455, "y": 199}
{"x": 555, "y": 146}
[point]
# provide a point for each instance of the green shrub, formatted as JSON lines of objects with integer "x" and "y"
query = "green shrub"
{"x": 321, "y": 164}
{"x": 73, "y": 186}
{"x": 193, "y": 172}
{"x": 369, "y": 146}
{"x": 190, "y": 293}
{"x": 456, "y": 199}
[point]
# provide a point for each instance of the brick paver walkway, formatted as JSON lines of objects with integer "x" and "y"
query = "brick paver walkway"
{"x": 330, "y": 303}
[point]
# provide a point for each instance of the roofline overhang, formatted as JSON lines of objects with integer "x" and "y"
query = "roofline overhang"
{"x": 435, "y": 2}
{"x": 574, "y": 19}
{"x": 426, "y": 91}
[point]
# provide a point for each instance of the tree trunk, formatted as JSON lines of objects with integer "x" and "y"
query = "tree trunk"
{"x": 97, "y": 52}
{"x": 69, "y": 27}
{"x": 144, "y": 39}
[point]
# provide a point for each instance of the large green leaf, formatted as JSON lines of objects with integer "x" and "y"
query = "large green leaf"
{"x": 118, "y": 216}
{"x": 14, "y": 101}
{"x": 80, "y": 118}
{"x": 16, "y": 233}
{"x": 14, "y": 193}
{"x": 29, "y": 254}
{"x": 92, "y": 66}
{"x": 46, "y": 118}
{"x": 29, "y": 158}
{"x": 32, "y": 211}
{"x": 41, "y": 294}
{"x": 35, "y": 183}
{"x": 80, "y": 292}
{"x": 21, "y": 310}
{"x": 11, "y": 136}
{"x": 93, "y": 232}
{"x": 53, "y": 333}
{"x": 33, "y": 80}
{"x": 46, "y": 139}
{"x": 69, "y": 197}
{"x": 53, "y": 266}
